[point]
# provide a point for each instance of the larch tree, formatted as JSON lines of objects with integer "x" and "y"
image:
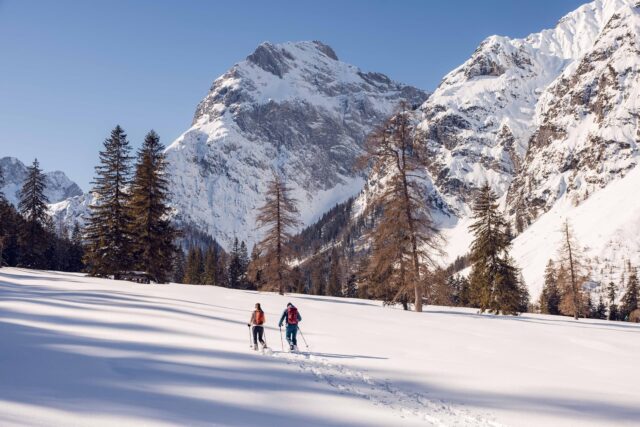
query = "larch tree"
{"x": 404, "y": 241}
{"x": 33, "y": 208}
{"x": 494, "y": 278}
{"x": 108, "y": 236}
{"x": 334, "y": 283}
{"x": 152, "y": 232}
{"x": 572, "y": 259}
{"x": 278, "y": 217}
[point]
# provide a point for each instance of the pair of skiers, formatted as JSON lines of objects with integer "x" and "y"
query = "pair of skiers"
{"x": 291, "y": 316}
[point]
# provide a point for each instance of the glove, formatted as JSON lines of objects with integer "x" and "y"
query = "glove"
{"x": 249, "y": 324}
{"x": 279, "y": 325}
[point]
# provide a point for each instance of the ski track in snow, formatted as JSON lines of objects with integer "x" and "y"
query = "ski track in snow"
{"x": 406, "y": 404}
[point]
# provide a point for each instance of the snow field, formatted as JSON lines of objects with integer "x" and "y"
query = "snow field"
{"x": 74, "y": 349}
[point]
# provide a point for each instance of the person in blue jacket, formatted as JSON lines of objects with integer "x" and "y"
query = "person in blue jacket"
{"x": 291, "y": 316}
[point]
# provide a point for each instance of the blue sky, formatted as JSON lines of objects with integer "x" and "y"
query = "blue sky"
{"x": 71, "y": 70}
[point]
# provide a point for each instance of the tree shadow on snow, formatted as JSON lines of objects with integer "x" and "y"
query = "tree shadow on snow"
{"x": 92, "y": 376}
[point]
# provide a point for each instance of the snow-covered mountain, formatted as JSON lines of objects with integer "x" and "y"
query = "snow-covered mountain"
{"x": 58, "y": 186}
{"x": 547, "y": 121}
{"x": 293, "y": 108}
{"x": 480, "y": 121}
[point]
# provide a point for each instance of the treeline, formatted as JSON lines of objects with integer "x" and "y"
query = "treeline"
{"x": 211, "y": 265}
{"x": 28, "y": 236}
{"x": 558, "y": 296}
{"x": 391, "y": 251}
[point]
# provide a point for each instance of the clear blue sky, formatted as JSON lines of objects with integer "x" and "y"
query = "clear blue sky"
{"x": 71, "y": 70}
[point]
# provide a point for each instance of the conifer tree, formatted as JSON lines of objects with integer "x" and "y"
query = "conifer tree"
{"x": 572, "y": 260}
{"x": 494, "y": 278}
{"x": 629, "y": 301}
{"x": 108, "y": 230}
{"x": 179, "y": 262}
{"x": 318, "y": 282}
{"x": 254, "y": 269}
{"x": 238, "y": 261}
{"x": 464, "y": 292}
{"x": 351, "y": 288}
{"x": 2, "y": 181}
{"x": 611, "y": 295}
{"x": 334, "y": 284}
{"x": 152, "y": 232}
{"x": 297, "y": 280}
{"x": 523, "y": 304}
{"x": 404, "y": 240}
{"x": 33, "y": 208}
{"x": 601, "y": 309}
{"x": 210, "y": 267}
{"x": 550, "y": 296}
{"x": 278, "y": 217}
{"x": 194, "y": 268}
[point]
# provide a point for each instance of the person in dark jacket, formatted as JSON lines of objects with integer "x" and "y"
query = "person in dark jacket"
{"x": 291, "y": 316}
{"x": 257, "y": 321}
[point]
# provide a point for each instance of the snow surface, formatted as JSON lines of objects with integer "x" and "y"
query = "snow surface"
{"x": 74, "y": 349}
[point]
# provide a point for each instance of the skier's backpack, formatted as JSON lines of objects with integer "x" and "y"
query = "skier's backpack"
{"x": 259, "y": 319}
{"x": 292, "y": 316}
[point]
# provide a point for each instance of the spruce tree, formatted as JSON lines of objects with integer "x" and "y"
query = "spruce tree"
{"x": 210, "y": 267}
{"x": 194, "y": 267}
{"x": 108, "y": 230}
{"x": 494, "y": 278}
{"x": 550, "y": 296}
{"x": 237, "y": 265}
{"x": 611, "y": 295}
{"x": 178, "y": 266}
{"x": 629, "y": 301}
{"x": 152, "y": 232}
{"x": 601, "y": 309}
{"x": 278, "y": 217}
{"x": 33, "y": 208}
{"x": 334, "y": 284}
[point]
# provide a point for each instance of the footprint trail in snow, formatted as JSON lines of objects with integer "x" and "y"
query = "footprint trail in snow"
{"x": 406, "y": 404}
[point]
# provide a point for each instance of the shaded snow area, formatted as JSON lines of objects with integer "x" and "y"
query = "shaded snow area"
{"x": 75, "y": 349}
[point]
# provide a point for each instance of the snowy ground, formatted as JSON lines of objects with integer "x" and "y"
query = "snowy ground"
{"x": 78, "y": 351}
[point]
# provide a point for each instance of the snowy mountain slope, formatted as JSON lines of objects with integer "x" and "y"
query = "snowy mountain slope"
{"x": 547, "y": 119}
{"x": 124, "y": 354}
{"x": 588, "y": 122}
{"x": 58, "y": 186}
{"x": 293, "y": 108}
{"x": 606, "y": 225}
{"x": 480, "y": 119}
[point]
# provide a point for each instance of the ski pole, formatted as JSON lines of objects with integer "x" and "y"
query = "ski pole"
{"x": 302, "y": 335}
{"x": 250, "y": 344}
{"x": 281, "y": 341}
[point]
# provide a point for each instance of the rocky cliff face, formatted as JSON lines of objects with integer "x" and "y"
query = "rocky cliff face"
{"x": 291, "y": 108}
{"x": 483, "y": 122}
{"x": 58, "y": 186}
{"x": 587, "y": 123}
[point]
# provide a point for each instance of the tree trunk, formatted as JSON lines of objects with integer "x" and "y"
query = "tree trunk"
{"x": 574, "y": 288}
